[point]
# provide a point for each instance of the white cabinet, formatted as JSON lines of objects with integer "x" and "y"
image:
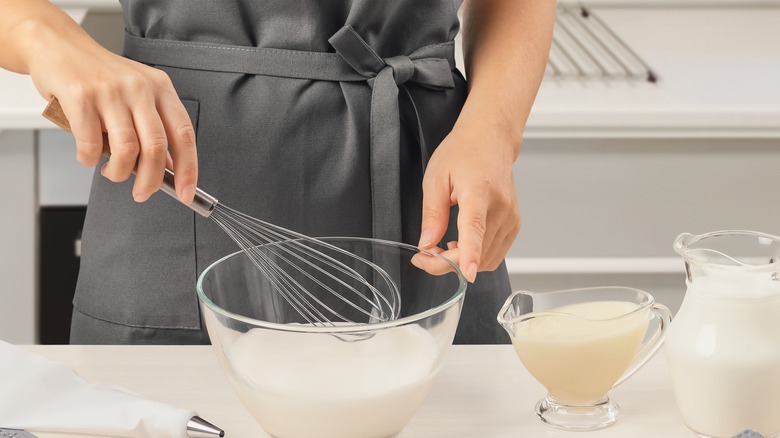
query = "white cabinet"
{"x": 62, "y": 181}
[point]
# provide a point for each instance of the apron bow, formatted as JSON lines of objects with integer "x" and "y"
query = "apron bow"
{"x": 385, "y": 76}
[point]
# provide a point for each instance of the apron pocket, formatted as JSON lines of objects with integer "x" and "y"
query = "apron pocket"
{"x": 138, "y": 260}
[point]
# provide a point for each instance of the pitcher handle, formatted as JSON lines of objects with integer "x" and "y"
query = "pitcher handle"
{"x": 653, "y": 343}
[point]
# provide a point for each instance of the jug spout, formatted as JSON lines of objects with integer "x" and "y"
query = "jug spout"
{"x": 683, "y": 241}
{"x": 729, "y": 248}
{"x": 518, "y": 304}
{"x": 681, "y": 245}
{"x": 735, "y": 263}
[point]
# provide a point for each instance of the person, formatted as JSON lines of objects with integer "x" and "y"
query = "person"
{"x": 342, "y": 117}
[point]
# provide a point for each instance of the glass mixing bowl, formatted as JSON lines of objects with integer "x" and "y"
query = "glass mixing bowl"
{"x": 344, "y": 381}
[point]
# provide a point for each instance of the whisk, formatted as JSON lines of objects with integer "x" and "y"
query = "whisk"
{"x": 305, "y": 271}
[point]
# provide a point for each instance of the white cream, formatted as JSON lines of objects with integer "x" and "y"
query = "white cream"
{"x": 316, "y": 385}
{"x": 578, "y": 359}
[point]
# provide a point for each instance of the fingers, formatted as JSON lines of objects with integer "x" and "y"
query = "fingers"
{"x": 494, "y": 253}
{"x": 86, "y": 127}
{"x": 504, "y": 217}
{"x": 435, "y": 209}
{"x": 436, "y": 265}
{"x": 153, "y": 151}
{"x": 135, "y": 109}
{"x": 472, "y": 224}
{"x": 181, "y": 137}
{"x": 123, "y": 143}
{"x": 502, "y": 229}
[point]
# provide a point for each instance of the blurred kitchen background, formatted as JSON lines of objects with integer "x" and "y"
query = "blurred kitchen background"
{"x": 655, "y": 118}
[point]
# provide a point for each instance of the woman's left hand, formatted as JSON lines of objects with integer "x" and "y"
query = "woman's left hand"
{"x": 472, "y": 168}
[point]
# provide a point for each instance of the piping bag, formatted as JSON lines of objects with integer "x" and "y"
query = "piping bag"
{"x": 40, "y": 395}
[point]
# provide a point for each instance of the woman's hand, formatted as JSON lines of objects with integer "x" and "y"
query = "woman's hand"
{"x": 472, "y": 168}
{"x": 134, "y": 104}
{"x": 139, "y": 109}
{"x": 505, "y": 44}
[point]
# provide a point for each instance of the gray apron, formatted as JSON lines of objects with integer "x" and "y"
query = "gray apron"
{"x": 318, "y": 116}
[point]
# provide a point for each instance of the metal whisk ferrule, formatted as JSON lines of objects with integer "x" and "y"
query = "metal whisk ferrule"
{"x": 203, "y": 203}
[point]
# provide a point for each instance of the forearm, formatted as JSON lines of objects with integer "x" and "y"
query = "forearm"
{"x": 506, "y": 43}
{"x": 29, "y": 27}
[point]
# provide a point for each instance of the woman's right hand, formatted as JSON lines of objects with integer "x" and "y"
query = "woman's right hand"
{"x": 99, "y": 91}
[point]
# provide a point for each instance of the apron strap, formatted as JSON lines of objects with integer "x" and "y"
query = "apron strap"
{"x": 430, "y": 66}
{"x": 384, "y": 76}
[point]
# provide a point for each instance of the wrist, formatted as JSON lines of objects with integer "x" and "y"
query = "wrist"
{"x": 42, "y": 39}
{"x": 35, "y": 38}
{"x": 504, "y": 131}
{"x": 31, "y": 37}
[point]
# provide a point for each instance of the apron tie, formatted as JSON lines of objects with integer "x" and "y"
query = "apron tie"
{"x": 385, "y": 76}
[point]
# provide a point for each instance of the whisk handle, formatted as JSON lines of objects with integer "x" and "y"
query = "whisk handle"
{"x": 203, "y": 204}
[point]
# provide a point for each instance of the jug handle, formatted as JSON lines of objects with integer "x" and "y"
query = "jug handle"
{"x": 652, "y": 344}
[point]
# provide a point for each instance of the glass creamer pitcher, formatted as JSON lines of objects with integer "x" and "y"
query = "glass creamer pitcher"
{"x": 579, "y": 344}
{"x": 723, "y": 347}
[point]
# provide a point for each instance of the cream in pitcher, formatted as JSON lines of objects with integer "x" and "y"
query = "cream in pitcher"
{"x": 724, "y": 346}
{"x": 579, "y": 344}
{"x": 579, "y": 358}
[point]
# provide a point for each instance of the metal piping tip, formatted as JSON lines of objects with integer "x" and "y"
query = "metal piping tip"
{"x": 200, "y": 428}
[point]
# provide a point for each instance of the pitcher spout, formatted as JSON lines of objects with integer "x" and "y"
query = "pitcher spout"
{"x": 733, "y": 263}
{"x": 683, "y": 241}
{"x": 511, "y": 313}
{"x": 738, "y": 248}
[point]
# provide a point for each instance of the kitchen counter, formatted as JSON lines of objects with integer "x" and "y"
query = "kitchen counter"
{"x": 482, "y": 392}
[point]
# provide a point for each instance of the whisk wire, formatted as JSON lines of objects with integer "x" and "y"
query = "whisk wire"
{"x": 298, "y": 291}
{"x": 277, "y": 276}
{"x": 285, "y": 244}
{"x": 275, "y": 233}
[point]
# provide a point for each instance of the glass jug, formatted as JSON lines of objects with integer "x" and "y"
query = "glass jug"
{"x": 723, "y": 347}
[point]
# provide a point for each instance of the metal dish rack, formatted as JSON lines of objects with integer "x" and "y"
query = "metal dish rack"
{"x": 584, "y": 48}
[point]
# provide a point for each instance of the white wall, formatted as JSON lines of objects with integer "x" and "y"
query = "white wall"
{"x": 17, "y": 237}
{"x": 621, "y": 203}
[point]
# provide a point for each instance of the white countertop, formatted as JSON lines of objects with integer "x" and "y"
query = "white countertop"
{"x": 718, "y": 70}
{"x": 482, "y": 392}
